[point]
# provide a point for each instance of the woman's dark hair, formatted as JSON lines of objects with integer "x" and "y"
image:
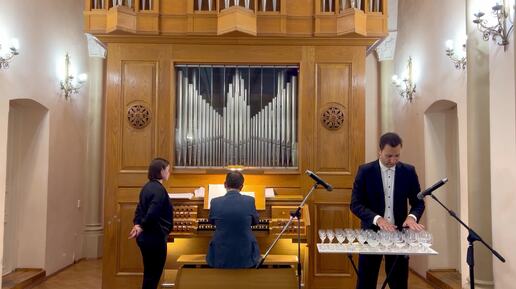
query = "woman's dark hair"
{"x": 155, "y": 168}
{"x": 390, "y": 138}
{"x": 234, "y": 180}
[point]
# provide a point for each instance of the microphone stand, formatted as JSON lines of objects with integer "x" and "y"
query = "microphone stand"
{"x": 294, "y": 214}
{"x": 472, "y": 237}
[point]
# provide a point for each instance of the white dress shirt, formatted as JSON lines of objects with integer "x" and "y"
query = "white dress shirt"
{"x": 388, "y": 175}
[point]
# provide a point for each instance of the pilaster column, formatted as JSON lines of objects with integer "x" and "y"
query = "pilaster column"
{"x": 502, "y": 104}
{"x": 93, "y": 229}
{"x": 479, "y": 170}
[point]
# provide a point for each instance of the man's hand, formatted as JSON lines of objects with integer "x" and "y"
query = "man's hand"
{"x": 385, "y": 225}
{"x": 412, "y": 224}
{"x": 135, "y": 231}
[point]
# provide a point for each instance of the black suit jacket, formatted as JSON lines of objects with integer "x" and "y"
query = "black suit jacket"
{"x": 368, "y": 200}
{"x": 233, "y": 244}
{"x": 154, "y": 210}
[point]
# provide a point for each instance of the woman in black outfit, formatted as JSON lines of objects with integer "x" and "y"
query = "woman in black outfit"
{"x": 153, "y": 222}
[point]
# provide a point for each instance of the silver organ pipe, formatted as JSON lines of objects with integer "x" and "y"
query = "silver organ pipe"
{"x": 273, "y": 5}
{"x": 237, "y": 130}
{"x": 179, "y": 127}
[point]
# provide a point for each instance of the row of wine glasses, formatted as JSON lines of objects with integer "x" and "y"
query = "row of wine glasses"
{"x": 398, "y": 239}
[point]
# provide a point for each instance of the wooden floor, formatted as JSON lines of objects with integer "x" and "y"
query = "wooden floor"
{"x": 415, "y": 281}
{"x": 22, "y": 278}
{"x": 88, "y": 275}
{"x": 85, "y": 274}
{"x": 444, "y": 279}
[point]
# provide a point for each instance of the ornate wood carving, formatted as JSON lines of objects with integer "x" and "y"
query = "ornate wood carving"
{"x": 139, "y": 115}
{"x": 332, "y": 116}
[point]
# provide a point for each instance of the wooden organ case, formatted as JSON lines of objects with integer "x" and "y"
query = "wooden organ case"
{"x": 327, "y": 40}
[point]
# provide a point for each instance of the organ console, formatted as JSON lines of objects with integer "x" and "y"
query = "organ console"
{"x": 191, "y": 219}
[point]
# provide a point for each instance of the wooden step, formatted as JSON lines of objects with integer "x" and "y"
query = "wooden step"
{"x": 169, "y": 279}
{"x": 444, "y": 278}
{"x": 23, "y": 278}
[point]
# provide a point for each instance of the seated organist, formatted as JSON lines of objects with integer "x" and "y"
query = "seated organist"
{"x": 233, "y": 244}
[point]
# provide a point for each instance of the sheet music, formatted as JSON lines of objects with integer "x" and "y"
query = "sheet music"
{"x": 269, "y": 193}
{"x": 176, "y": 196}
{"x": 218, "y": 190}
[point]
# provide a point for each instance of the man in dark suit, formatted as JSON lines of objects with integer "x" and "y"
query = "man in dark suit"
{"x": 379, "y": 198}
{"x": 233, "y": 244}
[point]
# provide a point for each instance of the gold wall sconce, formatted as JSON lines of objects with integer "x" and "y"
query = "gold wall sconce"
{"x": 406, "y": 86}
{"x": 8, "y": 52}
{"x": 71, "y": 84}
{"x": 458, "y": 58}
{"x": 501, "y": 31}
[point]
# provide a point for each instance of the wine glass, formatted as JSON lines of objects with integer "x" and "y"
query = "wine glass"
{"x": 425, "y": 238}
{"x": 386, "y": 239}
{"x": 399, "y": 242}
{"x": 350, "y": 234}
{"x": 330, "y": 234}
{"x": 322, "y": 235}
{"x": 362, "y": 237}
{"x": 411, "y": 238}
{"x": 339, "y": 234}
{"x": 372, "y": 239}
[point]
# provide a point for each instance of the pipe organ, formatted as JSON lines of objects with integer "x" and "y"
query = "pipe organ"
{"x": 236, "y": 115}
{"x": 274, "y": 86}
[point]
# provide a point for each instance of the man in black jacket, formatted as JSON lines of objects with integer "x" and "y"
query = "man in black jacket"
{"x": 379, "y": 198}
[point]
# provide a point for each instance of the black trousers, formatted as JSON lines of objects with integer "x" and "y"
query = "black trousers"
{"x": 154, "y": 253}
{"x": 369, "y": 266}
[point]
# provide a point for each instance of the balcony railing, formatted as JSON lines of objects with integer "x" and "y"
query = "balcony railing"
{"x": 296, "y": 18}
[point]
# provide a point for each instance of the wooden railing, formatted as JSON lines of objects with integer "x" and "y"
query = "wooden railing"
{"x": 259, "y": 17}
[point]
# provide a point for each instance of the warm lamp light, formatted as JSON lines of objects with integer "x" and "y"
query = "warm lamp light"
{"x": 71, "y": 84}
{"x": 458, "y": 58}
{"x": 406, "y": 86}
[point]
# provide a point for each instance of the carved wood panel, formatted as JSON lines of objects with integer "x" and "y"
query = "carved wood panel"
{"x": 143, "y": 72}
{"x": 128, "y": 254}
{"x": 333, "y": 91}
{"x": 139, "y": 81}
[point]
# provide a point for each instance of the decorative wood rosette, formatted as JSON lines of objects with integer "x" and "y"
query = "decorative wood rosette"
{"x": 332, "y": 116}
{"x": 139, "y": 115}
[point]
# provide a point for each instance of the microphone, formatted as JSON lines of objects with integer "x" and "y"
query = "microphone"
{"x": 421, "y": 195}
{"x": 318, "y": 180}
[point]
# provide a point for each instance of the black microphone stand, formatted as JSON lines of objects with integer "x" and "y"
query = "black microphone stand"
{"x": 472, "y": 237}
{"x": 294, "y": 214}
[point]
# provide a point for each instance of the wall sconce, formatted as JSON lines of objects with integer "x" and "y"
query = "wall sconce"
{"x": 406, "y": 86}
{"x": 7, "y": 54}
{"x": 459, "y": 59}
{"x": 499, "y": 32}
{"x": 70, "y": 84}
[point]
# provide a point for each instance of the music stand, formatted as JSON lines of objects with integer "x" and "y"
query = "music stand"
{"x": 294, "y": 214}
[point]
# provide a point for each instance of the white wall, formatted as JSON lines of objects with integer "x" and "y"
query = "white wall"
{"x": 46, "y": 30}
{"x": 27, "y": 160}
{"x": 441, "y": 160}
{"x": 423, "y": 28}
{"x": 503, "y": 159}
